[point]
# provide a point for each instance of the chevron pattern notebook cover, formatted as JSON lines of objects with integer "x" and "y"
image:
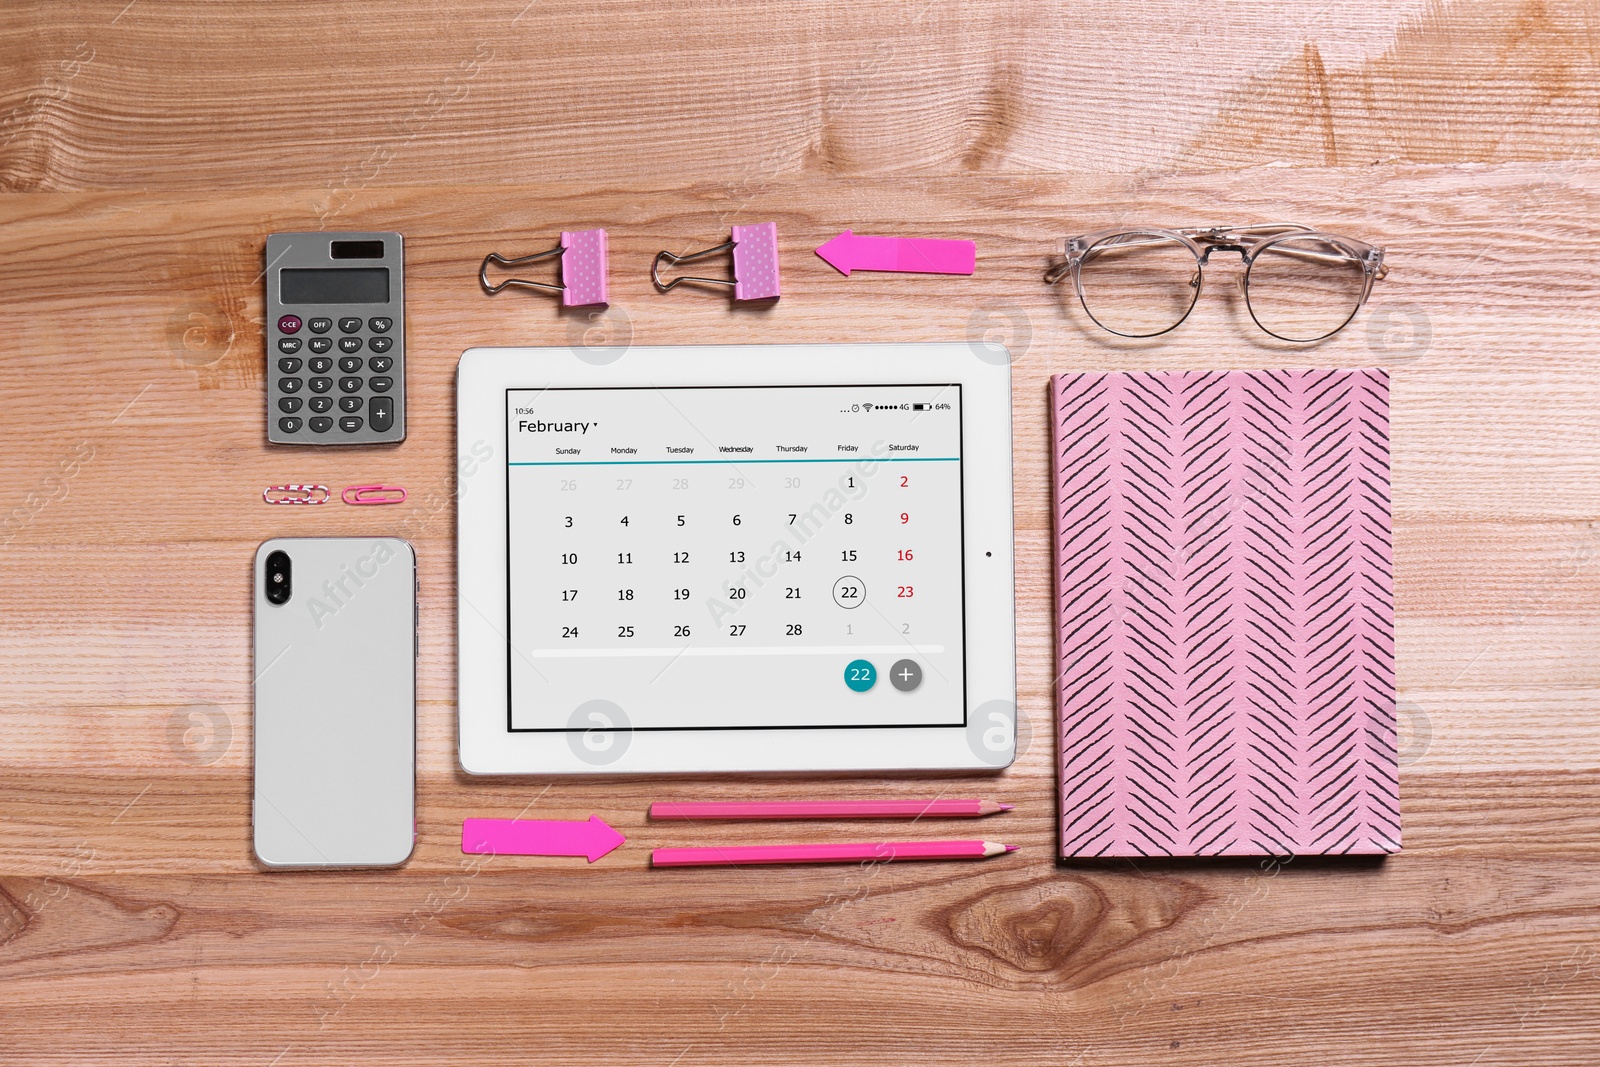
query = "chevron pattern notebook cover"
{"x": 1224, "y": 610}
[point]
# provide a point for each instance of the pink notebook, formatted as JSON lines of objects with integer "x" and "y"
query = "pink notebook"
{"x": 1225, "y": 617}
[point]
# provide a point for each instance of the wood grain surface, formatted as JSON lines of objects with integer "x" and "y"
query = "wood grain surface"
{"x": 147, "y": 148}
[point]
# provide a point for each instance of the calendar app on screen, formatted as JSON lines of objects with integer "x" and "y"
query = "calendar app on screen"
{"x": 736, "y": 557}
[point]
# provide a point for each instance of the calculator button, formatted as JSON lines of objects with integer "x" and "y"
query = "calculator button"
{"x": 288, "y": 385}
{"x": 380, "y": 324}
{"x": 321, "y": 404}
{"x": 289, "y": 324}
{"x": 350, "y": 423}
{"x": 320, "y": 344}
{"x": 349, "y": 385}
{"x": 289, "y": 365}
{"x": 289, "y": 344}
{"x": 380, "y": 384}
{"x": 289, "y": 404}
{"x": 860, "y": 675}
{"x": 349, "y": 364}
{"x": 349, "y": 403}
{"x": 319, "y": 325}
{"x": 321, "y": 385}
{"x": 382, "y": 412}
{"x": 349, "y": 344}
{"x": 380, "y": 344}
{"x": 289, "y": 425}
{"x": 349, "y": 325}
{"x": 321, "y": 364}
{"x": 380, "y": 364}
{"x": 321, "y": 424}
{"x": 905, "y": 675}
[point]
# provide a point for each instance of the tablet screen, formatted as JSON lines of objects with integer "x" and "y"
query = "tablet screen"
{"x": 736, "y": 557}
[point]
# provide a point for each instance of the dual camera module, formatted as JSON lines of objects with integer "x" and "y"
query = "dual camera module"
{"x": 280, "y": 577}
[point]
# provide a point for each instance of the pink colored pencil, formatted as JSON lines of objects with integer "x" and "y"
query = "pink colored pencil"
{"x": 865, "y": 852}
{"x": 824, "y": 809}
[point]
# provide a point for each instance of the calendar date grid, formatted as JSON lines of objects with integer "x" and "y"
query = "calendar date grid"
{"x": 740, "y": 563}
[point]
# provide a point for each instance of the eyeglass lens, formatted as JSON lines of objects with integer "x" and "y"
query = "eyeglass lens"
{"x": 1139, "y": 284}
{"x": 1304, "y": 288}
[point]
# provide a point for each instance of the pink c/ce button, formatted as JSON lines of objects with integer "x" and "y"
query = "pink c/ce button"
{"x": 289, "y": 324}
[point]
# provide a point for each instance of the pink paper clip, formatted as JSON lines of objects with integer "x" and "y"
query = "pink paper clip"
{"x": 373, "y": 494}
{"x": 297, "y": 494}
{"x": 583, "y": 269}
{"x": 755, "y": 263}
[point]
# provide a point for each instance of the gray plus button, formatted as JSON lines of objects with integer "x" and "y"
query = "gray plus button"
{"x": 905, "y": 675}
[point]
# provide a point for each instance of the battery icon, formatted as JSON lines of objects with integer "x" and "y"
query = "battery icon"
{"x": 921, "y": 407}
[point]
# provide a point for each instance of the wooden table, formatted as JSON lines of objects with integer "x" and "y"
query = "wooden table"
{"x": 147, "y": 148}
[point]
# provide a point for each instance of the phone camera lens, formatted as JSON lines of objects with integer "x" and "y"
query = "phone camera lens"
{"x": 279, "y": 588}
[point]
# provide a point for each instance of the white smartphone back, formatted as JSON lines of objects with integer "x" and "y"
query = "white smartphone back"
{"x": 335, "y": 702}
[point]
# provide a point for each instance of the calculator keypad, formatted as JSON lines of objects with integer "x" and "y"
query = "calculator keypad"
{"x": 360, "y": 383}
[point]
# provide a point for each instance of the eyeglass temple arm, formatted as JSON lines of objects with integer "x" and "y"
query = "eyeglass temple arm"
{"x": 1220, "y": 233}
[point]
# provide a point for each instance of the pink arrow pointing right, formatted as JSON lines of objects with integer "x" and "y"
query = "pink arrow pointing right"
{"x": 539, "y": 837}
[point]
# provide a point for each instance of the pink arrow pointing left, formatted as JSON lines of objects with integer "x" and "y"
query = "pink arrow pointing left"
{"x": 917, "y": 255}
{"x": 539, "y": 837}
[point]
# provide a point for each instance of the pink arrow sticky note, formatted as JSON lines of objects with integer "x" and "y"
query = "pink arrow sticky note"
{"x": 539, "y": 837}
{"x": 918, "y": 255}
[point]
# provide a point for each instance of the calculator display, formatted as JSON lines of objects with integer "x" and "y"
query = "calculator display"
{"x": 334, "y": 285}
{"x": 736, "y": 557}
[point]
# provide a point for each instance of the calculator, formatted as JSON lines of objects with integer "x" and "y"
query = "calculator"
{"x": 785, "y": 558}
{"x": 336, "y": 368}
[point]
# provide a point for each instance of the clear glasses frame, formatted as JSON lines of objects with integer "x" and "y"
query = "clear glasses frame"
{"x": 1250, "y": 241}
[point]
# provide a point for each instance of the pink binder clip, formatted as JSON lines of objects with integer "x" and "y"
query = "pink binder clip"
{"x": 755, "y": 263}
{"x": 295, "y": 494}
{"x": 583, "y": 269}
{"x": 373, "y": 494}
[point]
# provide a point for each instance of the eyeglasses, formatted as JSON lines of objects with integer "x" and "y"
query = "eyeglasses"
{"x": 1299, "y": 284}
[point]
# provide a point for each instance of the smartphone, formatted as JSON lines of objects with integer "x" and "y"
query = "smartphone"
{"x": 335, "y": 702}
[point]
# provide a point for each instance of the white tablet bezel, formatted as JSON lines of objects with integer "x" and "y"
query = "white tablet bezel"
{"x": 987, "y": 741}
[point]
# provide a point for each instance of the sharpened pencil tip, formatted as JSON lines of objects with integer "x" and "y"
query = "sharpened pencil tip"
{"x": 1012, "y": 848}
{"x": 1007, "y": 807}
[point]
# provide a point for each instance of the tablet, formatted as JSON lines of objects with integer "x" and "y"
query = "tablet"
{"x": 735, "y": 558}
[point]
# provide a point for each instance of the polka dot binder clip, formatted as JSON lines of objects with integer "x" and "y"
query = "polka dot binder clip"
{"x": 583, "y": 269}
{"x": 755, "y": 263}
